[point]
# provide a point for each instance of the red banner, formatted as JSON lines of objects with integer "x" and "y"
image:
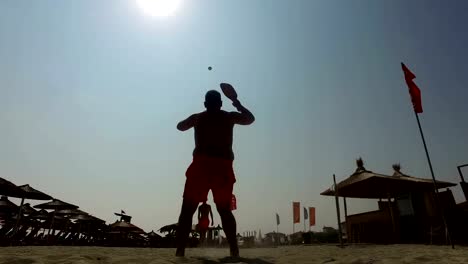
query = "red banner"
{"x": 296, "y": 212}
{"x": 311, "y": 216}
{"x": 414, "y": 91}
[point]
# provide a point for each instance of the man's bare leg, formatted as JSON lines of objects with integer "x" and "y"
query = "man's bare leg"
{"x": 230, "y": 229}
{"x": 185, "y": 225}
{"x": 202, "y": 238}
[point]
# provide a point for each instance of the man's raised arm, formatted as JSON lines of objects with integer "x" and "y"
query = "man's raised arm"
{"x": 245, "y": 117}
{"x": 188, "y": 123}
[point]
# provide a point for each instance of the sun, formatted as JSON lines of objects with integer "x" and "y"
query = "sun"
{"x": 159, "y": 8}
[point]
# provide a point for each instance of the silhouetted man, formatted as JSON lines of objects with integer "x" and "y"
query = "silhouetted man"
{"x": 204, "y": 211}
{"x": 211, "y": 168}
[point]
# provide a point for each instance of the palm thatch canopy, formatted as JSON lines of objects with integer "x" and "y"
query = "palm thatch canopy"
{"x": 71, "y": 212}
{"x": 41, "y": 215}
{"x": 367, "y": 184}
{"x": 56, "y": 205}
{"x": 123, "y": 226}
{"x": 153, "y": 234}
{"x": 427, "y": 183}
{"x": 8, "y": 188}
{"x": 87, "y": 218}
{"x": 169, "y": 228}
{"x": 27, "y": 209}
{"x": 7, "y": 205}
{"x": 33, "y": 194}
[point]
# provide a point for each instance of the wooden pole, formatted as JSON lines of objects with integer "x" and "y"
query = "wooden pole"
{"x": 346, "y": 216}
{"x": 390, "y": 208}
{"x": 19, "y": 216}
{"x": 447, "y": 231}
{"x": 340, "y": 234}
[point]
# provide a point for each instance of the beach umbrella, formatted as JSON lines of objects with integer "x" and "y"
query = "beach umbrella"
{"x": 367, "y": 184}
{"x": 33, "y": 194}
{"x": 420, "y": 184}
{"x": 55, "y": 205}
{"x": 27, "y": 209}
{"x": 364, "y": 184}
{"x": 125, "y": 227}
{"x": 87, "y": 218}
{"x": 71, "y": 212}
{"x": 6, "y": 205}
{"x": 29, "y": 192}
{"x": 7, "y": 188}
{"x": 41, "y": 215}
{"x": 169, "y": 228}
{"x": 153, "y": 234}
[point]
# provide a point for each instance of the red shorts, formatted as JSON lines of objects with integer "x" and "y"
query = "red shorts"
{"x": 203, "y": 224}
{"x": 208, "y": 173}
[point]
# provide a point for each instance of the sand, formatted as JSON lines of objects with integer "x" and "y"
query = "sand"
{"x": 329, "y": 254}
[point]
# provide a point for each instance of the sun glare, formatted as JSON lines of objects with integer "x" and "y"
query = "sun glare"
{"x": 159, "y": 8}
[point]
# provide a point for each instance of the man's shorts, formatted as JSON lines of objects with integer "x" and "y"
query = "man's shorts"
{"x": 209, "y": 173}
{"x": 203, "y": 223}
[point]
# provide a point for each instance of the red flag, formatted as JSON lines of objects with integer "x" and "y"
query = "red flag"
{"x": 296, "y": 212}
{"x": 414, "y": 91}
{"x": 311, "y": 216}
{"x": 233, "y": 203}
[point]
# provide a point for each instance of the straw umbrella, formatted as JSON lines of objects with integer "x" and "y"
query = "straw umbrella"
{"x": 29, "y": 192}
{"x": 7, "y": 206}
{"x": 27, "y": 209}
{"x": 8, "y": 188}
{"x": 71, "y": 212}
{"x": 123, "y": 226}
{"x": 55, "y": 205}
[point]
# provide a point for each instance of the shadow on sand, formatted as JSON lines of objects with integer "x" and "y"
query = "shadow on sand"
{"x": 235, "y": 260}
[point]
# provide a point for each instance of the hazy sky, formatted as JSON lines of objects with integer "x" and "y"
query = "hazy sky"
{"x": 91, "y": 92}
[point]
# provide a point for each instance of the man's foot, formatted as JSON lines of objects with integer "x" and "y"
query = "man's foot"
{"x": 235, "y": 252}
{"x": 180, "y": 252}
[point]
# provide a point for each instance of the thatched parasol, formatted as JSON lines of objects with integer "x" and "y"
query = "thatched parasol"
{"x": 123, "y": 226}
{"x": 7, "y": 188}
{"x": 419, "y": 183}
{"x": 364, "y": 184}
{"x": 33, "y": 194}
{"x": 6, "y": 205}
{"x": 153, "y": 234}
{"x": 30, "y": 193}
{"x": 71, "y": 212}
{"x": 55, "y": 205}
{"x": 169, "y": 228}
{"x": 87, "y": 218}
{"x": 41, "y": 215}
{"x": 27, "y": 209}
{"x": 367, "y": 184}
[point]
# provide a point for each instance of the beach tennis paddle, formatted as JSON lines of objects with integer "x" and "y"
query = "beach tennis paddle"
{"x": 229, "y": 91}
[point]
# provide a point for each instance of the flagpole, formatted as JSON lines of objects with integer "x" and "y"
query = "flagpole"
{"x": 447, "y": 231}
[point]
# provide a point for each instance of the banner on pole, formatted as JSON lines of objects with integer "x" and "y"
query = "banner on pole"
{"x": 311, "y": 216}
{"x": 296, "y": 212}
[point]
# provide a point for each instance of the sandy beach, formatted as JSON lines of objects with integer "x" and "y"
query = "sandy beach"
{"x": 357, "y": 254}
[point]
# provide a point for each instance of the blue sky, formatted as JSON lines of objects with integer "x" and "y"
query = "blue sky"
{"x": 91, "y": 92}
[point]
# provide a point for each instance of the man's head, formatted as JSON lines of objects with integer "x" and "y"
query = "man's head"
{"x": 213, "y": 100}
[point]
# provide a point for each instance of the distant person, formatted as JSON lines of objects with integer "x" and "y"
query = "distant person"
{"x": 211, "y": 168}
{"x": 204, "y": 210}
